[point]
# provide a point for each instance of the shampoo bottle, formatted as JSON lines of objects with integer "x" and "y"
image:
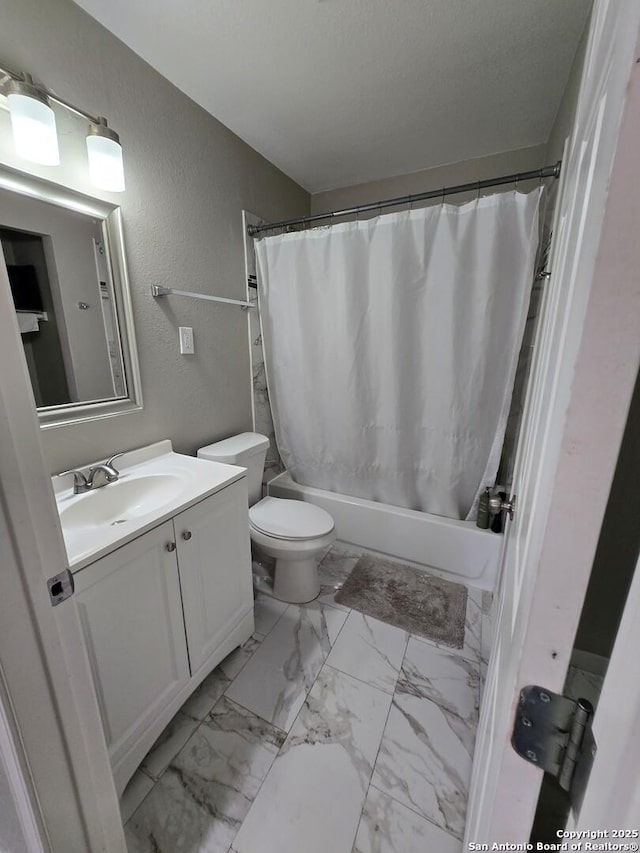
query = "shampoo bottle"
{"x": 483, "y": 517}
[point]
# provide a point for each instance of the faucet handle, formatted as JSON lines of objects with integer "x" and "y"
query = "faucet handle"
{"x": 80, "y": 482}
{"x": 77, "y": 474}
{"x": 109, "y": 462}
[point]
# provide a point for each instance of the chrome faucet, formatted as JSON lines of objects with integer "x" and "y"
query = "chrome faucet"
{"x": 105, "y": 472}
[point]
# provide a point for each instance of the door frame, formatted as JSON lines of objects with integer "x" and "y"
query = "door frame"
{"x": 591, "y": 389}
{"x": 61, "y": 762}
{"x": 612, "y": 797}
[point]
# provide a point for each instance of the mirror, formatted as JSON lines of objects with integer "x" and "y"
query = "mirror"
{"x": 64, "y": 256}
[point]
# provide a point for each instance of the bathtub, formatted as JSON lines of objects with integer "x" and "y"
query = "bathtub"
{"x": 457, "y": 550}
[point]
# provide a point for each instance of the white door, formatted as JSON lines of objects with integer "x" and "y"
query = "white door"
{"x": 131, "y": 615}
{"x": 52, "y": 746}
{"x": 214, "y": 557}
{"x": 586, "y": 360}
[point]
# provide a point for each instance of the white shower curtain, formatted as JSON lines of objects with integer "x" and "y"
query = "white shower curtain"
{"x": 391, "y": 346}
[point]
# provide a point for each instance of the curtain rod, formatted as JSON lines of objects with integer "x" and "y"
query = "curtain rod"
{"x": 535, "y": 174}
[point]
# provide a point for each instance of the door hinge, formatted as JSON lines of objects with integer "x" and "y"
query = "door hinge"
{"x": 554, "y": 733}
{"x": 60, "y": 587}
{"x": 498, "y": 504}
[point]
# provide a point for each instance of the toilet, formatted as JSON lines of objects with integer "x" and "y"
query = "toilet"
{"x": 295, "y": 533}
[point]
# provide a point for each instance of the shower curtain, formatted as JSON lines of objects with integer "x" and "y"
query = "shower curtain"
{"x": 391, "y": 346}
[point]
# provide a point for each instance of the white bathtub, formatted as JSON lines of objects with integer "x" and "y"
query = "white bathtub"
{"x": 457, "y": 550}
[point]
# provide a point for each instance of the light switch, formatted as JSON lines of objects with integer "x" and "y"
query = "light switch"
{"x": 186, "y": 340}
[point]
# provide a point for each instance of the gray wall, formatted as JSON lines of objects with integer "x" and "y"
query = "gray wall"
{"x": 72, "y": 276}
{"x": 567, "y": 107}
{"x": 505, "y": 163}
{"x": 188, "y": 179}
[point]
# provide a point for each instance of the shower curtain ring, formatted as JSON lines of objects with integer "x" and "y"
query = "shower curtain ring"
{"x": 442, "y": 199}
{"x": 515, "y": 186}
{"x": 478, "y": 191}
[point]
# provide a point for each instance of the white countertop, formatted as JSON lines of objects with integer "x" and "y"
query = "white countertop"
{"x": 181, "y": 482}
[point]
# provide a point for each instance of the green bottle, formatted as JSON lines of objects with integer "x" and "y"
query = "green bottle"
{"x": 483, "y": 517}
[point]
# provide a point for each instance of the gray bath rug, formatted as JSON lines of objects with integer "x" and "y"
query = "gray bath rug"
{"x": 407, "y": 598}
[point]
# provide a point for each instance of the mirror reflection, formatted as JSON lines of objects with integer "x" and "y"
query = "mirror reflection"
{"x": 59, "y": 269}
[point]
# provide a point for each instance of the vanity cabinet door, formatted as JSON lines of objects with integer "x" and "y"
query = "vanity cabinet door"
{"x": 131, "y": 614}
{"x": 214, "y": 558}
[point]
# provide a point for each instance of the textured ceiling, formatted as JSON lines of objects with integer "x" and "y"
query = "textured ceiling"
{"x": 337, "y": 92}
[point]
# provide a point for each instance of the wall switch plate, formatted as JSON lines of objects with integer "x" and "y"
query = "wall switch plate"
{"x": 186, "y": 340}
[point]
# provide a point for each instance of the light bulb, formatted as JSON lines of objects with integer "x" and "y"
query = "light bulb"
{"x": 105, "y": 157}
{"x": 33, "y": 123}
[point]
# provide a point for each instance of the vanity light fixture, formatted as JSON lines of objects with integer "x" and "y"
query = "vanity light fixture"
{"x": 105, "y": 157}
{"x": 34, "y": 131}
{"x": 33, "y": 122}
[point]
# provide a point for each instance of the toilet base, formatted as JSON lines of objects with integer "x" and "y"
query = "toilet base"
{"x": 296, "y": 581}
{"x": 296, "y": 570}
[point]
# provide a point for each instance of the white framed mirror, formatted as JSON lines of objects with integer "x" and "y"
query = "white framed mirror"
{"x": 65, "y": 259}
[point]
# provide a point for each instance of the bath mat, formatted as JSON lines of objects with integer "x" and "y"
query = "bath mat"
{"x": 407, "y": 598}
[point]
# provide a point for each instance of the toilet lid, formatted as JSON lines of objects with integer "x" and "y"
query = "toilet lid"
{"x": 284, "y": 519}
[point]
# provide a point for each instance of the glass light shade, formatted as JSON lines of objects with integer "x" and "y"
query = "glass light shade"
{"x": 105, "y": 163}
{"x": 34, "y": 129}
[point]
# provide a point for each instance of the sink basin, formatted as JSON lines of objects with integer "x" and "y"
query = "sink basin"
{"x": 123, "y": 501}
{"x": 155, "y": 485}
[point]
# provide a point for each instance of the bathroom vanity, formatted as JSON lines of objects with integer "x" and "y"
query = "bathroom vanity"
{"x": 162, "y": 569}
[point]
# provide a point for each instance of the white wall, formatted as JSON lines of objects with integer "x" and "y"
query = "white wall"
{"x": 188, "y": 179}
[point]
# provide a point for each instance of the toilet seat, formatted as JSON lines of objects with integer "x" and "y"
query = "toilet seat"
{"x": 287, "y": 519}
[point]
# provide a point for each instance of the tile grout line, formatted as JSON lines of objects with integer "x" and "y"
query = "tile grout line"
{"x": 270, "y": 722}
{"x": 199, "y": 724}
{"x": 154, "y": 783}
{"x": 413, "y": 811}
{"x": 264, "y": 636}
{"x": 268, "y": 771}
{"x": 348, "y": 675}
{"x": 390, "y": 796}
{"x": 359, "y": 680}
{"x": 248, "y": 711}
{"x": 238, "y": 648}
{"x": 384, "y": 728}
{"x": 290, "y": 728}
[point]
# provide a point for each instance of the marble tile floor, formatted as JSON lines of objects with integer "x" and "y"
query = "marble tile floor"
{"x": 328, "y": 732}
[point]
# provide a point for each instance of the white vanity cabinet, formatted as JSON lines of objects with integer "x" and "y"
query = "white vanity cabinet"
{"x": 131, "y": 614}
{"x": 159, "y": 613}
{"x": 213, "y": 542}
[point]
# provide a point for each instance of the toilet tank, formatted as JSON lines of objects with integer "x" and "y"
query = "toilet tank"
{"x": 248, "y": 449}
